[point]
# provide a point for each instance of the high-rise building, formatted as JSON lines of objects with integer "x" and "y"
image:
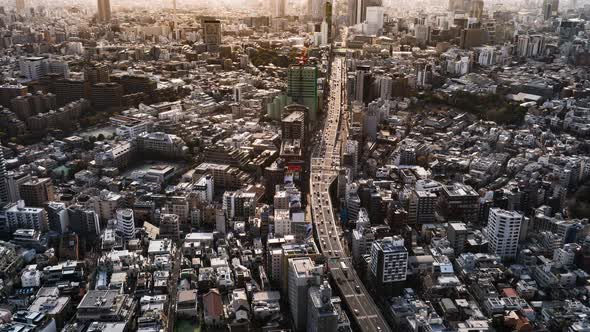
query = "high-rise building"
{"x": 104, "y": 10}
{"x": 278, "y": 8}
{"x": 321, "y": 313}
{"x": 20, "y": 6}
{"x": 37, "y": 191}
{"x": 550, "y": 8}
{"x": 20, "y": 216}
{"x": 302, "y": 275}
{"x": 293, "y": 125}
{"x": 302, "y": 87}
{"x": 126, "y": 223}
{"x": 212, "y": 34}
{"x": 169, "y": 226}
{"x": 57, "y": 217}
{"x": 84, "y": 222}
{"x": 503, "y": 232}
{"x": 369, "y": 3}
{"x": 457, "y": 236}
{"x": 421, "y": 207}
{"x": 3, "y": 178}
{"x": 328, "y": 10}
{"x": 375, "y": 19}
{"x": 354, "y": 12}
{"x": 389, "y": 261}
{"x": 315, "y": 9}
{"x": 476, "y": 9}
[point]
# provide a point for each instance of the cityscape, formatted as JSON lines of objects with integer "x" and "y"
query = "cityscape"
{"x": 295, "y": 165}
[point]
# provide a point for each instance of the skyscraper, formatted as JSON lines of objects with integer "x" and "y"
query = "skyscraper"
{"x": 368, "y": 3}
{"x": 302, "y": 86}
{"x": 104, "y": 10}
{"x": 550, "y": 8}
{"x": 20, "y": 6}
{"x": 212, "y": 34}
{"x": 476, "y": 9}
{"x": 354, "y": 12}
{"x": 278, "y": 8}
{"x": 503, "y": 232}
{"x": 315, "y": 9}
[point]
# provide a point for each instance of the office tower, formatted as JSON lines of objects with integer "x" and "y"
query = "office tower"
{"x": 421, "y": 207}
{"x": 302, "y": 87}
{"x": 375, "y": 19}
{"x": 278, "y": 8}
{"x": 366, "y": 4}
{"x": 37, "y": 191}
{"x": 389, "y": 261}
{"x": 457, "y": 235}
{"x": 104, "y": 10}
{"x": 324, "y": 33}
{"x": 321, "y": 313}
{"x": 126, "y": 223}
{"x": 328, "y": 19}
{"x": 57, "y": 217}
{"x": 354, "y": 12}
{"x": 315, "y": 9}
{"x": 302, "y": 275}
{"x": 20, "y": 6}
{"x": 3, "y": 178}
{"x": 503, "y": 232}
{"x": 212, "y": 34}
{"x": 550, "y": 8}
{"x": 476, "y": 9}
{"x": 459, "y": 202}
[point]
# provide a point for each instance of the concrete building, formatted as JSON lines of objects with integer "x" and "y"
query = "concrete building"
{"x": 57, "y": 217}
{"x": 421, "y": 207}
{"x": 37, "y": 191}
{"x": 161, "y": 144}
{"x": 302, "y": 87}
{"x": 126, "y": 223}
{"x": 20, "y": 216}
{"x": 457, "y": 236}
{"x": 3, "y": 179}
{"x": 104, "y": 10}
{"x": 503, "y": 232}
{"x": 278, "y": 8}
{"x": 302, "y": 275}
{"x": 321, "y": 313}
{"x": 212, "y": 34}
{"x": 389, "y": 261}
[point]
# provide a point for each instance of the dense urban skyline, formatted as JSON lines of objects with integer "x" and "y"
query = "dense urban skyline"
{"x": 294, "y": 165}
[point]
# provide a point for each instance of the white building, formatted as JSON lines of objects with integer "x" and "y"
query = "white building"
{"x": 282, "y": 222}
{"x": 19, "y": 216}
{"x": 302, "y": 275}
{"x": 31, "y": 277}
{"x": 375, "y": 19}
{"x": 126, "y": 223}
{"x": 503, "y": 232}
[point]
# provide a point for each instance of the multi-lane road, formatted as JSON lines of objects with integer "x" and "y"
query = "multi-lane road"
{"x": 324, "y": 171}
